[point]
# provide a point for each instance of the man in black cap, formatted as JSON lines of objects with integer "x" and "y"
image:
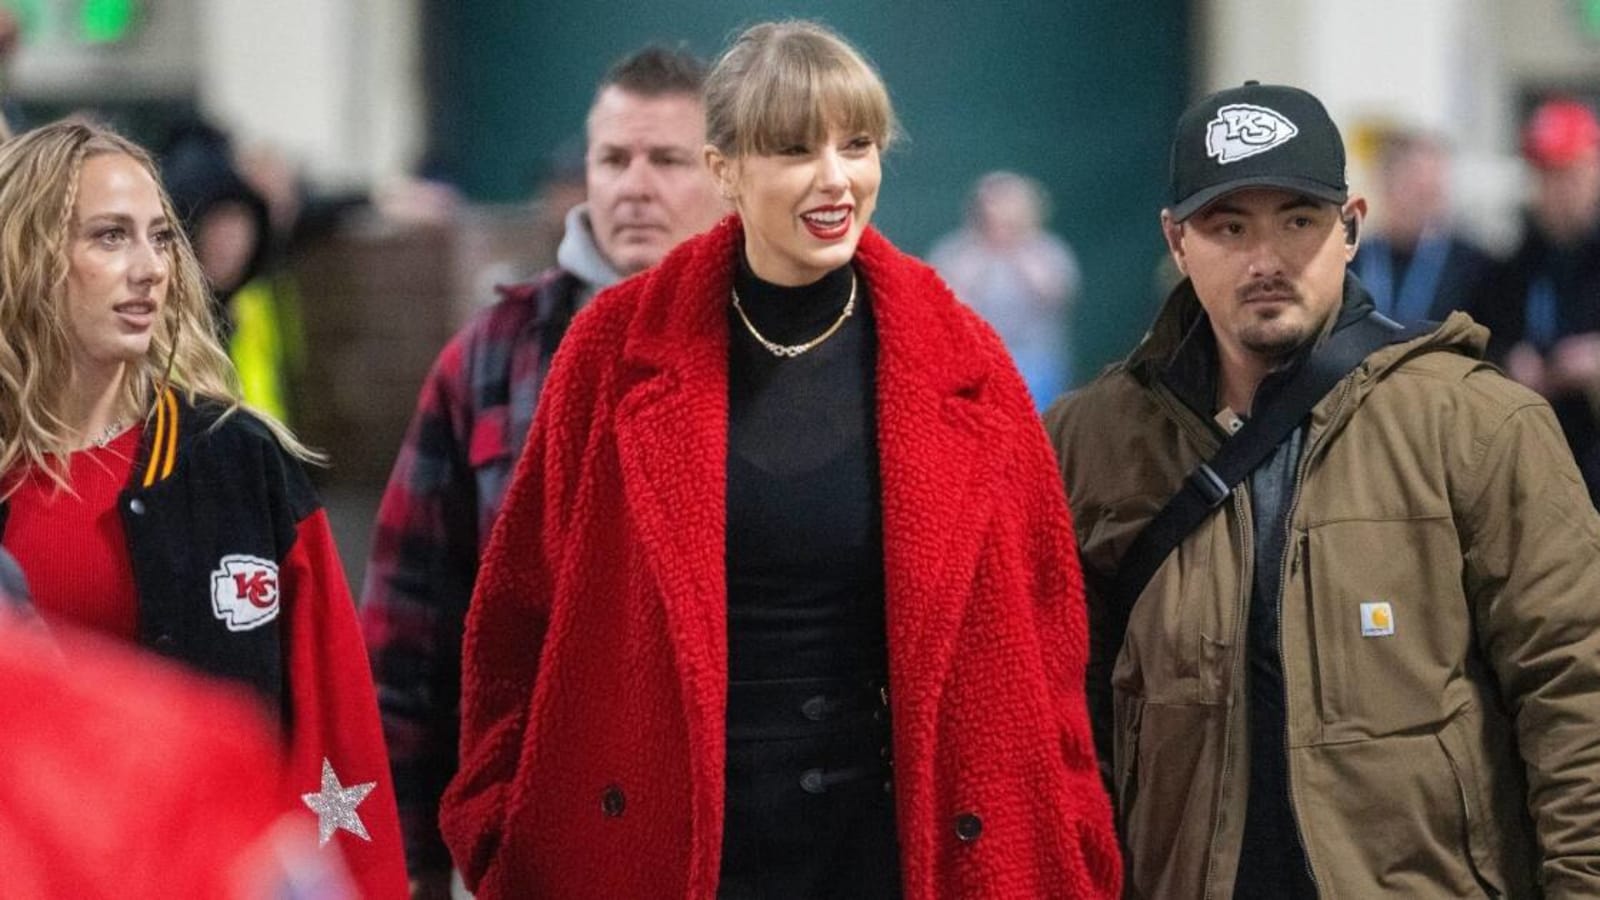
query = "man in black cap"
{"x": 1340, "y": 572}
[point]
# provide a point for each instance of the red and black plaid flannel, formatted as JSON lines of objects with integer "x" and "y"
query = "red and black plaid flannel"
{"x": 471, "y": 420}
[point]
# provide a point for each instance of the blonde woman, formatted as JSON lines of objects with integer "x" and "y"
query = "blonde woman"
{"x": 143, "y": 502}
{"x": 783, "y": 600}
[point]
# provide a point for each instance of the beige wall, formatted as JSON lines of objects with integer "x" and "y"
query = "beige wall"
{"x": 1539, "y": 38}
{"x": 336, "y": 83}
{"x": 1456, "y": 67}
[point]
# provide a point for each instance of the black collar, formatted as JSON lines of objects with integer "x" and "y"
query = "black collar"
{"x": 1192, "y": 371}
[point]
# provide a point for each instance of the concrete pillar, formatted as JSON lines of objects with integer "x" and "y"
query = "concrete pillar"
{"x": 334, "y": 83}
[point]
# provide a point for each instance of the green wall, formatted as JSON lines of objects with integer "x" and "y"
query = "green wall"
{"x": 1082, "y": 95}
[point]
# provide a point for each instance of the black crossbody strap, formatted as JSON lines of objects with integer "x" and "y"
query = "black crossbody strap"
{"x": 1210, "y": 484}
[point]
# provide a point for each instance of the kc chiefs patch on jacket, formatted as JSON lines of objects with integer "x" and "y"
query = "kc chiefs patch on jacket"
{"x": 237, "y": 576}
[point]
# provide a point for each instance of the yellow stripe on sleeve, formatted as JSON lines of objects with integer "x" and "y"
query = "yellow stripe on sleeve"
{"x": 156, "y": 444}
{"x": 172, "y": 436}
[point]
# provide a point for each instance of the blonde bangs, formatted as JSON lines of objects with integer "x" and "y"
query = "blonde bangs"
{"x": 798, "y": 97}
{"x": 785, "y": 84}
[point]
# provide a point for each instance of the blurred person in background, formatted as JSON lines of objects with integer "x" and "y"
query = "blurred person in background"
{"x": 1021, "y": 279}
{"x": 782, "y": 601}
{"x": 563, "y": 184}
{"x": 1542, "y": 304}
{"x": 234, "y": 237}
{"x": 145, "y": 503}
{"x": 647, "y": 190}
{"x": 1415, "y": 266}
{"x": 10, "y": 39}
{"x": 560, "y": 182}
{"x": 169, "y": 790}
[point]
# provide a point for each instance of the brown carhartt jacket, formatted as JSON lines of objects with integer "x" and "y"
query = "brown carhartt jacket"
{"x": 1440, "y": 631}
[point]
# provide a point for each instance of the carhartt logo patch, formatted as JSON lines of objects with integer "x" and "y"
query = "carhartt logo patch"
{"x": 1377, "y": 619}
{"x": 1241, "y": 130}
{"x": 244, "y": 591}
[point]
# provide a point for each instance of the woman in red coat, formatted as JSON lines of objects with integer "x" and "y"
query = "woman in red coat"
{"x": 783, "y": 601}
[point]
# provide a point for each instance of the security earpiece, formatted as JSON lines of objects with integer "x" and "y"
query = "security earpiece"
{"x": 1352, "y": 230}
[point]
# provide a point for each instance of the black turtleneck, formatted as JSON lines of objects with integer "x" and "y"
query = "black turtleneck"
{"x": 804, "y": 535}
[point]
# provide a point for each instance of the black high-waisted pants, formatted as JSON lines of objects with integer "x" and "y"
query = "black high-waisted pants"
{"x": 809, "y": 809}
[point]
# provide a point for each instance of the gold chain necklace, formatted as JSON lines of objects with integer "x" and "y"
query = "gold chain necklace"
{"x": 790, "y": 351}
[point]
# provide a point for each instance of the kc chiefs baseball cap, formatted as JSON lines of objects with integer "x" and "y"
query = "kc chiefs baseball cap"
{"x": 1255, "y": 135}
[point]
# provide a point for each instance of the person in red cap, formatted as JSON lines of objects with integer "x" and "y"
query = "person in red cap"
{"x": 1542, "y": 305}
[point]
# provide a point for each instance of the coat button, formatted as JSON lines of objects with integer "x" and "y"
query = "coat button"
{"x": 968, "y": 827}
{"x": 815, "y": 709}
{"x": 612, "y": 801}
{"x": 136, "y": 506}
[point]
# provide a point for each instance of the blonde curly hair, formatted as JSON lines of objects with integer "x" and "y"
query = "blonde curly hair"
{"x": 39, "y": 175}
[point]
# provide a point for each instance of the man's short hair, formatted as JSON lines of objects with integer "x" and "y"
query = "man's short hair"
{"x": 655, "y": 71}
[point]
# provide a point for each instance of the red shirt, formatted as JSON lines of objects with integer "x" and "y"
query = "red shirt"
{"x": 71, "y": 545}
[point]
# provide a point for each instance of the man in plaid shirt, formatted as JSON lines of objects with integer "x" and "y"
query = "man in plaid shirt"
{"x": 647, "y": 191}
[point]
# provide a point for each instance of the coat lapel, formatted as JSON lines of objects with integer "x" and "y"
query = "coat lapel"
{"x": 943, "y": 447}
{"x": 672, "y": 442}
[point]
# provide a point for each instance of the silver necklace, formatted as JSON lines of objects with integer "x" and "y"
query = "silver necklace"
{"x": 790, "y": 351}
{"x": 112, "y": 430}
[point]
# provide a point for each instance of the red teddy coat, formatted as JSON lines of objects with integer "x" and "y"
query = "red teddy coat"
{"x": 595, "y": 670}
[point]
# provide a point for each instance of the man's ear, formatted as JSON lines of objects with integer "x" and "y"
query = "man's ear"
{"x": 1354, "y": 213}
{"x": 723, "y": 171}
{"x": 1173, "y": 233}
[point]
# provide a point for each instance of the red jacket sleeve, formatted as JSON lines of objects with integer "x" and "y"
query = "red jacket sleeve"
{"x": 336, "y": 760}
{"x": 1064, "y": 645}
{"x": 125, "y": 776}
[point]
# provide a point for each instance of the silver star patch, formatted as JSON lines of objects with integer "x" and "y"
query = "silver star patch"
{"x": 335, "y": 805}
